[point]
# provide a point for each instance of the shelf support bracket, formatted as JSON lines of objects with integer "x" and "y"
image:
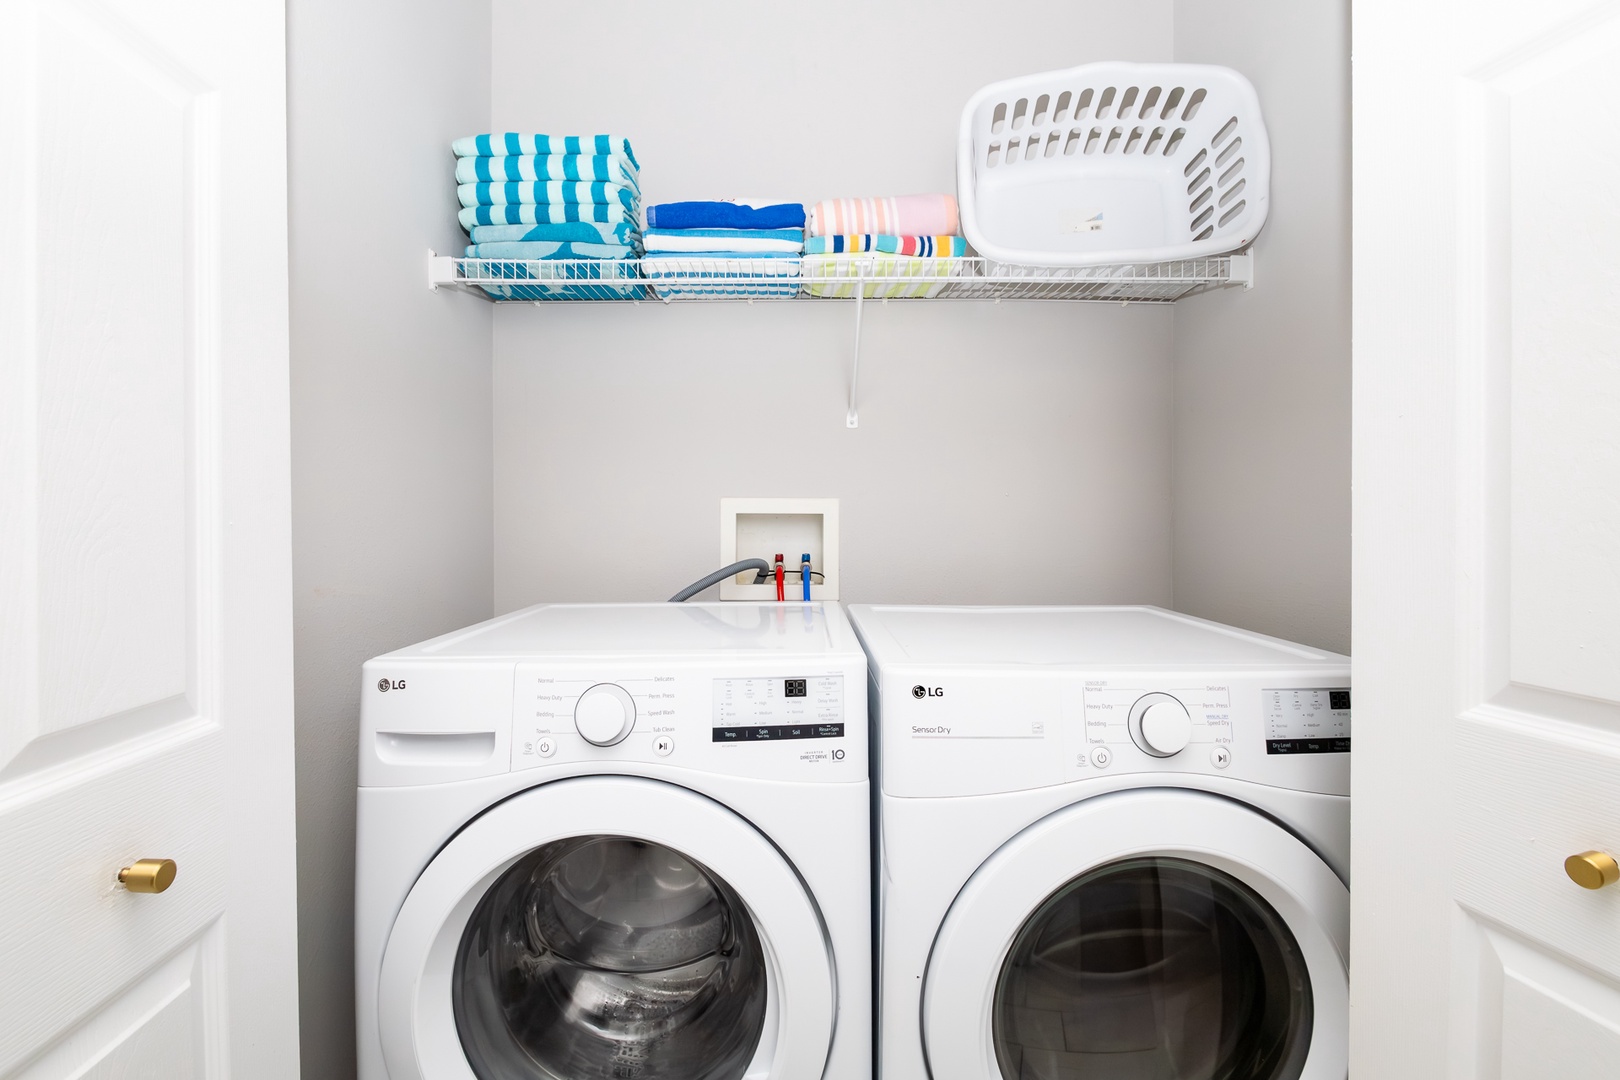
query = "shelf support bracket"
{"x": 1243, "y": 269}
{"x": 853, "y": 418}
{"x": 441, "y": 270}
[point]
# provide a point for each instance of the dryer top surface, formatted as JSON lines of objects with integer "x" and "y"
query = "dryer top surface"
{"x": 647, "y": 630}
{"x": 1070, "y": 637}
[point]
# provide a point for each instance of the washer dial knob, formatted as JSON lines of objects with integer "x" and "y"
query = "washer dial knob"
{"x": 604, "y": 714}
{"x": 1160, "y": 725}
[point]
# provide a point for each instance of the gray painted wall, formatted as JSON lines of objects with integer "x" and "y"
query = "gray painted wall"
{"x": 392, "y": 499}
{"x": 1011, "y": 453}
{"x": 1262, "y": 379}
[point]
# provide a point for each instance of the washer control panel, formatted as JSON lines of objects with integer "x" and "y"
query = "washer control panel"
{"x": 772, "y": 709}
{"x": 791, "y": 725}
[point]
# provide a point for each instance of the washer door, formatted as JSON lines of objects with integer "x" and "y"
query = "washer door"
{"x": 1155, "y": 935}
{"x": 607, "y": 928}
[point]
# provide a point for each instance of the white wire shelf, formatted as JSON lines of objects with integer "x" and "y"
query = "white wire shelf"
{"x": 871, "y": 276}
{"x": 858, "y": 277}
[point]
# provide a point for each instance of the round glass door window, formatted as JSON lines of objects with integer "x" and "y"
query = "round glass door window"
{"x": 608, "y": 958}
{"x": 1153, "y": 969}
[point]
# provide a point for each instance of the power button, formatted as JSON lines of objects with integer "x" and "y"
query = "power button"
{"x": 663, "y": 746}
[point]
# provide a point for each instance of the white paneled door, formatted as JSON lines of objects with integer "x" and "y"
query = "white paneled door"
{"x": 1487, "y": 538}
{"x": 145, "y": 602}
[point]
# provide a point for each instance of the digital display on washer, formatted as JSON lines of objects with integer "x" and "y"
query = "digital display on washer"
{"x": 1302, "y": 720}
{"x": 774, "y": 709}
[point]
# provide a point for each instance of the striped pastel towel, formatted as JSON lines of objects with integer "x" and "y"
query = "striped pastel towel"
{"x": 549, "y": 250}
{"x": 841, "y": 275}
{"x": 951, "y": 247}
{"x": 609, "y": 167}
{"x": 548, "y": 213}
{"x": 511, "y": 143}
{"x": 547, "y": 192}
{"x": 579, "y": 232}
{"x": 783, "y": 241}
{"x": 898, "y": 215}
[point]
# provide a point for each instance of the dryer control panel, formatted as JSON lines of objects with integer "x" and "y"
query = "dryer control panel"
{"x": 979, "y": 733}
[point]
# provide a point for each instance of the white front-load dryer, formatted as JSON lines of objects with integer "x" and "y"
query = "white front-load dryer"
{"x": 617, "y": 842}
{"x": 1114, "y": 845}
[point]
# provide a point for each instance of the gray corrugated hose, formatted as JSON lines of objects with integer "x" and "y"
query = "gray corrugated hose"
{"x": 764, "y": 568}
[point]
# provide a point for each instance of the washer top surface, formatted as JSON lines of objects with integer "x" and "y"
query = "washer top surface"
{"x": 646, "y": 630}
{"x": 1137, "y": 637}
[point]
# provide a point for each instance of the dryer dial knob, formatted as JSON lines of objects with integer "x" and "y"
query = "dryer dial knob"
{"x": 604, "y": 714}
{"x": 1160, "y": 725}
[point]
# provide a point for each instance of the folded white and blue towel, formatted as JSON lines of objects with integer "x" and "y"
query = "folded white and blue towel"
{"x": 549, "y": 214}
{"x": 579, "y": 232}
{"x": 546, "y": 249}
{"x": 718, "y": 273}
{"x": 547, "y": 192}
{"x": 749, "y": 241}
{"x": 613, "y": 168}
{"x": 511, "y": 143}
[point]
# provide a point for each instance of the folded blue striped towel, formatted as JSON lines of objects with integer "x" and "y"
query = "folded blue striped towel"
{"x": 725, "y": 215}
{"x": 601, "y": 279}
{"x": 613, "y": 168}
{"x": 549, "y": 250}
{"x": 547, "y": 192}
{"x": 548, "y": 214}
{"x": 511, "y": 143}
{"x": 583, "y": 232}
{"x": 788, "y": 241}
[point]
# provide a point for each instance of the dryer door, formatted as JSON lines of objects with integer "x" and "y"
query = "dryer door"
{"x": 607, "y": 928}
{"x": 1150, "y": 935}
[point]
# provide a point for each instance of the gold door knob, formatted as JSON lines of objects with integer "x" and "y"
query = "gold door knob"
{"x": 1592, "y": 869}
{"x": 148, "y": 875}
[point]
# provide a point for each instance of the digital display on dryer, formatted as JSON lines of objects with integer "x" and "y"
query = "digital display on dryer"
{"x": 1307, "y": 720}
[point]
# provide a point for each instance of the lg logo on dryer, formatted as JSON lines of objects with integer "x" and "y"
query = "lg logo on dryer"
{"x": 386, "y": 685}
{"x": 921, "y": 692}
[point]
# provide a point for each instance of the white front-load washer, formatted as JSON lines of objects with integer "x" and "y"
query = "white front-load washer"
{"x": 1114, "y": 845}
{"x": 617, "y": 842}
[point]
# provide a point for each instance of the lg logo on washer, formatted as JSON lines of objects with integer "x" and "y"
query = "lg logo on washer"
{"x": 920, "y": 692}
{"x": 385, "y": 685}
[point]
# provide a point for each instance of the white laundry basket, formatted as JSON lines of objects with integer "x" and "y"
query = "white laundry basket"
{"x": 1113, "y": 163}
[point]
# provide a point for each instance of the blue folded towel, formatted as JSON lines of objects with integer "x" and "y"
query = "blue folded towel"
{"x": 724, "y": 215}
{"x": 547, "y": 192}
{"x": 548, "y": 213}
{"x": 585, "y": 232}
{"x": 613, "y": 168}
{"x": 549, "y": 250}
{"x": 511, "y": 143}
